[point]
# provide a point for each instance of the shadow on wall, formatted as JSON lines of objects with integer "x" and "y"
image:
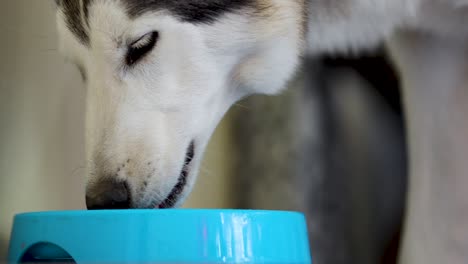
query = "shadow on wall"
{"x": 3, "y": 250}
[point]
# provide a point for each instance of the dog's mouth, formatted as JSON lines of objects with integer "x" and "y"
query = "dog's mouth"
{"x": 173, "y": 196}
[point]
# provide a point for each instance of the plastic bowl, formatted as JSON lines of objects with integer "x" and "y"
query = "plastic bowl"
{"x": 160, "y": 236}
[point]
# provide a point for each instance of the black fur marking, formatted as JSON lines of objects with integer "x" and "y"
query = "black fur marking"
{"x": 194, "y": 11}
{"x": 72, "y": 12}
{"x": 86, "y": 4}
{"x": 190, "y": 154}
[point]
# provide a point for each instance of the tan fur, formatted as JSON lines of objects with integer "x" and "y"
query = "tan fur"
{"x": 278, "y": 15}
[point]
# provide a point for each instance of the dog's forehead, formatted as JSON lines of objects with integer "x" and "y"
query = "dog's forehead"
{"x": 76, "y": 12}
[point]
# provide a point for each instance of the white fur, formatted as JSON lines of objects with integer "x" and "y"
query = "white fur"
{"x": 149, "y": 113}
{"x": 335, "y": 26}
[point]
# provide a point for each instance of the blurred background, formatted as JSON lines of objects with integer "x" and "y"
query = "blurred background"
{"x": 331, "y": 146}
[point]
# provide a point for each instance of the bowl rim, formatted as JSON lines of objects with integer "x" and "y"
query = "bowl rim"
{"x": 175, "y": 212}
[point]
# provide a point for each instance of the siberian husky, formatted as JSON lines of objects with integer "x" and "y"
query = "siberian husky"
{"x": 161, "y": 74}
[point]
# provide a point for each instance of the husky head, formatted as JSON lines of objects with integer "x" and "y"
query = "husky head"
{"x": 160, "y": 75}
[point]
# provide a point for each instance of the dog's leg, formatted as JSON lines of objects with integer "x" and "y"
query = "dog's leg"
{"x": 434, "y": 71}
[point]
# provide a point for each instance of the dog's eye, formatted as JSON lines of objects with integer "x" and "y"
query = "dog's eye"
{"x": 139, "y": 48}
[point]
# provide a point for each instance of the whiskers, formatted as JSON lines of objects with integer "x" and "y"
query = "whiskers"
{"x": 243, "y": 107}
{"x": 205, "y": 170}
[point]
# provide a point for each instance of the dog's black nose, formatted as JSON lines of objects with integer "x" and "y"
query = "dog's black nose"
{"x": 108, "y": 194}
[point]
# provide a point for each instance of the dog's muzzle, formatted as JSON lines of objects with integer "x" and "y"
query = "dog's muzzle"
{"x": 110, "y": 193}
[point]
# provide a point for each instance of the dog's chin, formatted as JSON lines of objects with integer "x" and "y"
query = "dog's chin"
{"x": 176, "y": 196}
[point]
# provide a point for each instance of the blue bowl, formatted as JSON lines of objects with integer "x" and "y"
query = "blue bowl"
{"x": 160, "y": 236}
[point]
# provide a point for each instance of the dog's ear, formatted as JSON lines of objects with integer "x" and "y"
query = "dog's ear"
{"x": 275, "y": 45}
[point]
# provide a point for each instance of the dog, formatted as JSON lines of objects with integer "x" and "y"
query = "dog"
{"x": 161, "y": 74}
